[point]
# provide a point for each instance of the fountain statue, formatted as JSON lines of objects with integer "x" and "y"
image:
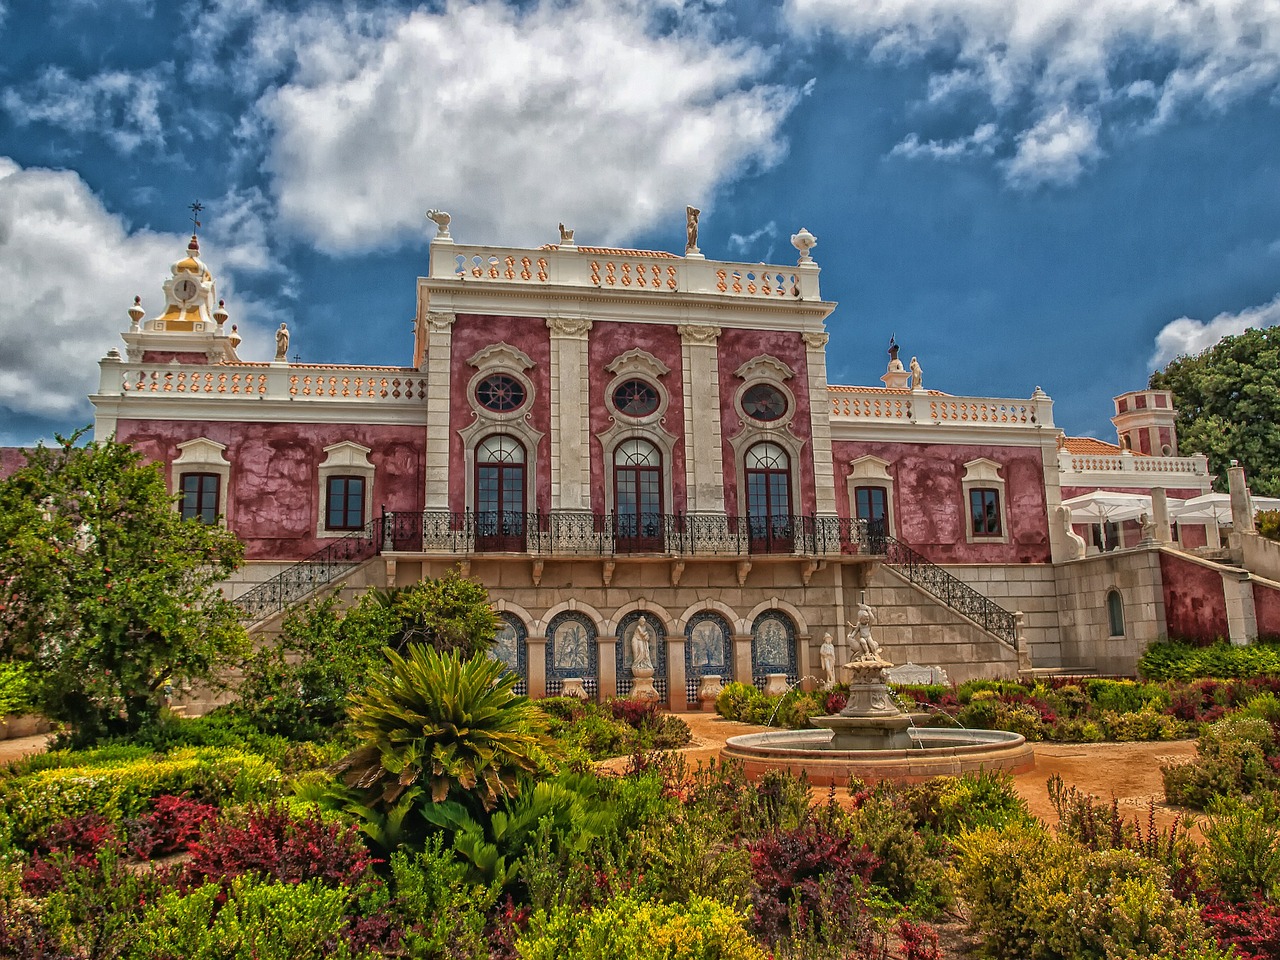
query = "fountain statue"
{"x": 642, "y": 687}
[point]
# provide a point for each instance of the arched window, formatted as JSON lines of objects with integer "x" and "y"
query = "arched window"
{"x": 768, "y": 480}
{"x": 1115, "y": 612}
{"x": 500, "y": 488}
{"x": 637, "y": 496}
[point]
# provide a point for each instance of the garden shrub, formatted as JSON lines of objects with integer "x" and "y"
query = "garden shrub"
{"x": 444, "y": 916}
{"x": 1252, "y": 929}
{"x": 172, "y": 826}
{"x": 812, "y": 870}
{"x": 905, "y": 871}
{"x": 17, "y": 688}
{"x": 268, "y": 843}
{"x": 1232, "y": 761}
{"x": 1034, "y": 897}
{"x": 123, "y": 789}
{"x": 1173, "y": 660}
{"x": 629, "y": 928}
{"x": 95, "y": 911}
{"x": 70, "y": 845}
{"x": 1124, "y": 696}
{"x": 259, "y": 920}
{"x": 1141, "y": 724}
{"x": 1241, "y": 854}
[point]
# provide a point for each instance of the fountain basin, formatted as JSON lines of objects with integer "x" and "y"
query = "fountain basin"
{"x": 937, "y": 753}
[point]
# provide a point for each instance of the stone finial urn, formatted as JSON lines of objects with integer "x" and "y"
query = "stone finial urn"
{"x": 709, "y": 688}
{"x": 573, "y": 687}
{"x": 775, "y": 685}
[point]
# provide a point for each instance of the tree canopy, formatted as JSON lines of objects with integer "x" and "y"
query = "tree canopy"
{"x": 106, "y": 589}
{"x": 1228, "y": 402}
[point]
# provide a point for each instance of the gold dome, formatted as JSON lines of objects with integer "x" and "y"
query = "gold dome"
{"x": 192, "y": 263}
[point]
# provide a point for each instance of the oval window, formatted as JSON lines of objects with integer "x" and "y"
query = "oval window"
{"x": 500, "y": 393}
{"x": 635, "y": 398}
{"x": 764, "y": 402}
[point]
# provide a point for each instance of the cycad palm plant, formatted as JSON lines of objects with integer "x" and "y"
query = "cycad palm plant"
{"x": 449, "y": 726}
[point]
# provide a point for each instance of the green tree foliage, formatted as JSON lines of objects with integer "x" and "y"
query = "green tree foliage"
{"x": 106, "y": 589}
{"x": 449, "y": 727}
{"x": 1228, "y": 402}
{"x": 299, "y": 688}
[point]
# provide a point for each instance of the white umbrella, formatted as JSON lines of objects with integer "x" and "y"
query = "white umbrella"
{"x": 1105, "y": 506}
{"x": 1216, "y": 508}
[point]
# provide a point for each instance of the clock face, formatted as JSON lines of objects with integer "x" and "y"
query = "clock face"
{"x": 185, "y": 288}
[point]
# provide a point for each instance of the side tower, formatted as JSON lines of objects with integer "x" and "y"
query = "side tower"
{"x": 1144, "y": 422}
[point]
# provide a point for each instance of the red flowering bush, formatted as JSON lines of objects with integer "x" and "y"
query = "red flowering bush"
{"x": 172, "y": 826}
{"x": 635, "y": 713}
{"x": 836, "y": 701}
{"x": 272, "y": 844}
{"x": 68, "y": 845}
{"x": 807, "y": 876}
{"x": 919, "y": 940}
{"x": 1253, "y": 928}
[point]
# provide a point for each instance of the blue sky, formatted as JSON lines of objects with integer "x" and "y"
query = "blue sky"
{"x": 1063, "y": 193}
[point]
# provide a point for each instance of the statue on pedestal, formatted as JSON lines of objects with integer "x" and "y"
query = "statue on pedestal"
{"x": 860, "y": 640}
{"x": 282, "y": 344}
{"x": 691, "y": 229}
{"x": 641, "y": 658}
{"x": 827, "y": 654}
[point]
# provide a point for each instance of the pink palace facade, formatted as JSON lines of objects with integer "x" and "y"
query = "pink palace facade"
{"x": 605, "y": 436}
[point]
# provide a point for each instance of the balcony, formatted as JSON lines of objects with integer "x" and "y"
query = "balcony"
{"x": 581, "y": 534}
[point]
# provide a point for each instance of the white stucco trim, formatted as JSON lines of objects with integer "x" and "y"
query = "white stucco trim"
{"x": 984, "y": 474}
{"x": 343, "y": 459}
{"x": 202, "y": 455}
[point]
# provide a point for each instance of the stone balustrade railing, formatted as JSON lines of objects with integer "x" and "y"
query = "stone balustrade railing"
{"x": 871, "y": 405}
{"x": 269, "y": 381}
{"x": 1126, "y": 462}
{"x": 611, "y": 269}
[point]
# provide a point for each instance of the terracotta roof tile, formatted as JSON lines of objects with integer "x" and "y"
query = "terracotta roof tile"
{"x": 1089, "y": 447}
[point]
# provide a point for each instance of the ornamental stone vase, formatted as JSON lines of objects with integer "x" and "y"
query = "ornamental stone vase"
{"x": 775, "y": 685}
{"x": 709, "y": 688}
{"x": 572, "y": 687}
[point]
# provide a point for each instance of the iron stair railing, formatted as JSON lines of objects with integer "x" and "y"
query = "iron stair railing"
{"x": 306, "y": 576}
{"x": 937, "y": 582}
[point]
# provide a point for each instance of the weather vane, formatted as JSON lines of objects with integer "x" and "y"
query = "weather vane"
{"x": 195, "y": 213}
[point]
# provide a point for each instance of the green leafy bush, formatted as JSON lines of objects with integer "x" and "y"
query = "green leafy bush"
{"x": 444, "y": 916}
{"x": 1241, "y": 854}
{"x": 1125, "y": 696}
{"x": 17, "y": 688}
{"x": 1142, "y": 724}
{"x": 260, "y": 920}
{"x": 1173, "y": 660}
{"x": 631, "y": 929}
{"x": 1232, "y": 761}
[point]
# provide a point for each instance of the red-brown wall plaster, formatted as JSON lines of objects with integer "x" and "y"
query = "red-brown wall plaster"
{"x": 929, "y": 508}
{"x": 473, "y": 332}
{"x": 1266, "y": 605}
{"x": 1194, "y": 603}
{"x": 11, "y": 459}
{"x": 736, "y": 347}
{"x": 273, "y": 494}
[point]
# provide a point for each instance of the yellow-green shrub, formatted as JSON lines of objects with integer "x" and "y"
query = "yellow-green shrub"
{"x": 631, "y": 929}
{"x": 1033, "y": 896}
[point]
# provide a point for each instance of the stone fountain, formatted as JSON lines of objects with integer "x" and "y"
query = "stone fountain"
{"x": 871, "y": 738}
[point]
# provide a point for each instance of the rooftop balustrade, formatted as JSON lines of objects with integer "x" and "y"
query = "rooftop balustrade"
{"x": 864, "y": 405}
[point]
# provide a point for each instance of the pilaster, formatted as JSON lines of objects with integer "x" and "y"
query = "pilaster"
{"x": 677, "y": 696}
{"x": 439, "y": 360}
{"x": 704, "y": 452}
{"x": 742, "y": 657}
{"x": 824, "y": 476}
{"x": 570, "y": 414}
{"x": 536, "y": 661}
{"x": 607, "y": 648}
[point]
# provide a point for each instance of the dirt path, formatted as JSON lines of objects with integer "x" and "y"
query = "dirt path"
{"x": 20, "y": 747}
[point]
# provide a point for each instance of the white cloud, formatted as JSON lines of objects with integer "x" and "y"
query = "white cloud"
{"x": 1056, "y": 150}
{"x": 122, "y": 107}
{"x": 982, "y": 142}
{"x": 1052, "y": 69}
{"x": 1187, "y": 337}
{"x": 740, "y": 245}
{"x": 513, "y": 120}
{"x": 69, "y": 269}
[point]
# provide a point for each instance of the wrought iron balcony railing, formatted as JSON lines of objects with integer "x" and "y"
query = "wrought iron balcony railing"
{"x": 568, "y": 533}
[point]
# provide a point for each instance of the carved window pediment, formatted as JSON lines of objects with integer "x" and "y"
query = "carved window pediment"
{"x": 501, "y": 355}
{"x": 765, "y": 367}
{"x": 637, "y": 361}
